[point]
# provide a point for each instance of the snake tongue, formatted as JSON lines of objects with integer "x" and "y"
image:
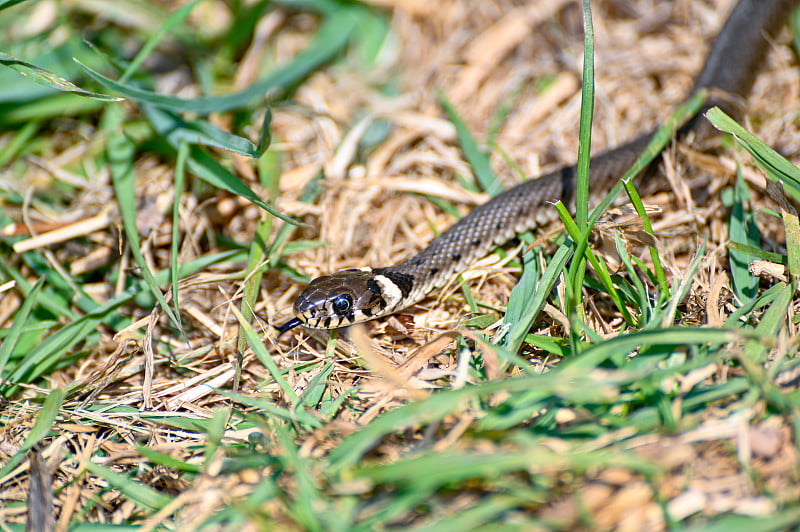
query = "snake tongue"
{"x": 288, "y": 326}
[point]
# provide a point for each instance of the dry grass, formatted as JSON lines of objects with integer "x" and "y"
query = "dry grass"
{"x": 143, "y": 385}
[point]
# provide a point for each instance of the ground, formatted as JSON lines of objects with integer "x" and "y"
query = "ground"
{"x": 683, "y": 415}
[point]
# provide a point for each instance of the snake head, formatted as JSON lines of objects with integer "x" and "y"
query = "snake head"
{"x": 345, "y": 298}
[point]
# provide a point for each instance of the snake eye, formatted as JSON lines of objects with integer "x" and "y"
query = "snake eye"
{"x": 342, "y": 304}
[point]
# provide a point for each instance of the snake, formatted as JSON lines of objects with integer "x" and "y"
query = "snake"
{"x": 356, "y": 295}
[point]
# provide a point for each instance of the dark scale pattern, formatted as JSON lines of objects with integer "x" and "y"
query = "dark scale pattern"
{"x": 403, "y": 280}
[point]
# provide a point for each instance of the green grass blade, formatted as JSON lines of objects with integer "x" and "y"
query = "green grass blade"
{"x": 758, "y": 253}
{"x": 58, "y": 106}
{"x": 266, "y": 359}
{"x": 766, "y": 297}
{"x": 316, "y": 387}
{"x": 597, "y": 354}
{"x": 50, "y": 80}
{"x": 682, "y": 290}
{"x": 791, "y": 225}
{"x": 438, "y": 469}
{"x": 529, "y": 296}
{"x": 120, "y": 155}
{"x": 777, "y": 167}
{"x": 259, "y": 253}
{"x": 639, "y": 291}
{"x": 490, "y": 510}
{"x": 200, "y": 263}
{"x": 214, "y": 432}
{"x": 20, "y": 322}
{"x": 270, "y": 409}
{"x": 309, "y": 503}
{"x": 19, "y": 142}
{"x": 779, "y": 170}
{"x": 638, "y": 205}
{"x": 743, "y": 230}
{"x": 174, "y": 266}
{"x": 207, "y": 168}
{"x": 771, "y": 322}
{"x": 137, "y": 492}
{"x": 50, "y": 353}
{"x": 166, "y": 460}
{"x": 577, "y": 269}
{"x": 350, "y": 450}
{"x": 201, "y": 132}
{"x": 599, "y": 266}
{"x": 786, "y": 519}
{"x": 585, "y": 127}
{"x": 478, "y": 160}
{"x": 173, "y": 20}
{"x": 330, "y": 40}
{"x": 39, "y": 431}
{"x": 5, "y": 4}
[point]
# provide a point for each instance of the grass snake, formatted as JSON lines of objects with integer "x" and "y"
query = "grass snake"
{"x": 356, "y": 295}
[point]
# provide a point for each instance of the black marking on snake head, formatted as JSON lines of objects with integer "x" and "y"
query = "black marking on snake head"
{"x": 434, "y": 271}
{"x": 456, "y": 257}
{"x": 376, "y": 299}
{"x": 327, "y": 322}
{"x": 375, "y": 288}
{"x": 499, "y": 225}
{"x": 476, "y": 242}
{"x": 404, "y": 281}
{"x": 367, "y": 312}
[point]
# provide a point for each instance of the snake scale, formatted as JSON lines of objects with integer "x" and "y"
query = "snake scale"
{"x": 355, "y": 295}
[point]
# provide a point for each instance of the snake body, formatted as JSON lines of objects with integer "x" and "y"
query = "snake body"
{"x": 356, "y": 295}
